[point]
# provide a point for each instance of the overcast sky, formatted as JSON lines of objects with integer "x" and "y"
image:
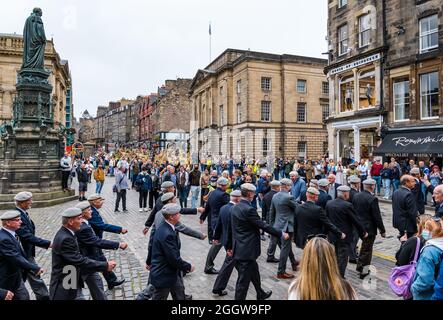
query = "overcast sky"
{"x": 125, "y": 48}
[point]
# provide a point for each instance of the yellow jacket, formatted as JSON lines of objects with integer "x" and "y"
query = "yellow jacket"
{"x": 99, "y": 174}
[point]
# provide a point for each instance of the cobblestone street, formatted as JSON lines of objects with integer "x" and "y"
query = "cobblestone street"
{"x": 131, "y": 263}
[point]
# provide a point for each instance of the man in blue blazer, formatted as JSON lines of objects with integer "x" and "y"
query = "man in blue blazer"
{"x": 166, "y": 260}
{"x": 29, "y": 241}
{"x": 14, "y": 267}
{"x": 99, "y": 226}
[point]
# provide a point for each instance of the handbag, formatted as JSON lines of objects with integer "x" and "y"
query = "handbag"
{"x": 402, "y": 277}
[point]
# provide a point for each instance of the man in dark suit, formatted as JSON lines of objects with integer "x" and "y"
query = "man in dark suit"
{"x": 333, "y": 186}
{"x": 417, "y": 191}
{"x": 368, "y": 213}
{"x": 282, "y": 213}
{"x": 29, "y": 241}
{"x": 166, "y": 187}
{"x": 266, "y": 203}
{"x": 14, "y": 267}
{"x": 217, "y": 199}
{"x": 310, "y": 219}
{"x": 223, "y": 231}
{"x": 99, "y": 226}
{"x": 342, "y": 214}
{"x": 404, "y": 209}
{"x": 90, "y": 246}
{"x": 245, "y": 243}
{"x": 166, "y": 260}
{"x": 354, "y": 183}
{"x": 437, "y": 194}
{"x": 67, "y": 262}
{"x": 324, "y": 197}
{"x": 6, "y": 294}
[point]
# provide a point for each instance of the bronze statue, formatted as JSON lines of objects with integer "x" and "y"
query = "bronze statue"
{"x": 34, "y": 41}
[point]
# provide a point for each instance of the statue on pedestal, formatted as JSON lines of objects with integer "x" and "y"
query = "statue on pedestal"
{"x": 34, "y": 41}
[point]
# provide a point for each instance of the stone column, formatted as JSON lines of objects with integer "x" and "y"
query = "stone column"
{"x": 356, "y": 143}
{"x": 356, "y": 90}
{"x": 337, "y": 147}
{"x": 378, "y": 82}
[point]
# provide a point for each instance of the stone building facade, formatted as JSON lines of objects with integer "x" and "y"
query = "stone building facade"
{"x": 146, "y": 123}
{"x": 259, "y": 105}
{"x": 11, "y": 59}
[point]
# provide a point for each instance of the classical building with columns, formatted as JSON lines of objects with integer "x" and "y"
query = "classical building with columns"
{"x": 259, "y": 105}
{"x": 355, "y": 74}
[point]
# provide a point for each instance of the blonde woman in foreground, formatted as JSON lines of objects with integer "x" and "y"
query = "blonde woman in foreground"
{"x": 319, "y": 278}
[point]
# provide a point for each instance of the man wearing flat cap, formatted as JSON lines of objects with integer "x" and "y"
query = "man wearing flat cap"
{"x": 416, "y": 190}
{"x": 14, "y": 267}
{"x": 26, "y": 233}
{"x": 266, "y": 203}
{"x": 354, "y": 183}
{"x": 66, "y": 256}
{"x": 166, "y": 187}
{"x": 166, "y": 260}
{"x": 90, "y": 246}
{"x": 217, "y": 199}
{"x": 281, "y": 217}
{"x": 245, "y": 244}
{"x": 324, "y": 197}
{"x": 368, "y": 213}
{"x": 342, "y": 214}
{"x": 99, "y": 226}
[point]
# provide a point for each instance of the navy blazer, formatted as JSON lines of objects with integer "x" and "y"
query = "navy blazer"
{"x": 166, "y": 260}
{"x": 217, "y": 199}
{"x": 404, "y": 210}
{"x": 98, "y": 225}
{"x": 3, "y": 294}
{"x": 90, "y": 244}
{"x": 13, "y": 263}
{"x": 323, "y": 199}
{"x": 223, "y": 229}
{"x": 27, "y": 235}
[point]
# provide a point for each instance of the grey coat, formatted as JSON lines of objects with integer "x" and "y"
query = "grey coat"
{"x": 282, "y": 212}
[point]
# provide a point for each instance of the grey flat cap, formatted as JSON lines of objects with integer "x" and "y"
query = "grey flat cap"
{"x": 313, "y": 181}
{"x": 286, "y": 182}
{"x": 370, "y": 181}
{"x": 313, "y": 185}
{"x": 170, "y": 209}
{"x": 323, "y": 182}
{"x": 415, "y": 171}
{"x": 83, "y": 205}
{"x": 275, "y": 183}
{"x": 95, "y": 196}
{"x": 23, "y": 196}
{"x": 11, "y": 214}
{"x": 167, "y": 196}
{"x": 71, "y": 212}
{"x": 236, "y": 193}
{"x": 312, "y": 190}
{"x": 167, "y": 184}
{"x": 248, "y": 187}
{"x": 354, "y": 179}
{"x": 344, "y": 189}
{"x": 222, "y": 181}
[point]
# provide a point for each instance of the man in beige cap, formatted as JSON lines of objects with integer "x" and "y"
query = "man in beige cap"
{"x": 66, "y": 256}
{"x": 14, "y": 267}
{"x": 26, "y": 233}
{"x": 417, "y": 190}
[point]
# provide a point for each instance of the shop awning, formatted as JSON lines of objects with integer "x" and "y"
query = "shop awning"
{"x": 412, "y": 143}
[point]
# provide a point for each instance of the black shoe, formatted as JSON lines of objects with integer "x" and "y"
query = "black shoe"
{"x": 272, "y": 260}
{"x": 116, "y": 210}
{"x": 353, "y": 261}
{"x": 364, "y": 275}
{"x": 266, "y": 295}
{"x": 116, "y": 283}
{"x": 124, "y": 210}
{"x": 188, "y": 296}
{"x": 211, "y": 271}
{"x": 220, "y": 293}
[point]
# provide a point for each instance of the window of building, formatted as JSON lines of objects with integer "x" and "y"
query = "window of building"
{"x": 429, "y": 33}
{"x": 347, "y": 93}
{"x": 266, "y": 83}
{"x": 266, "y": 111}
{"x": 401, "y": 99}
{"x": 429, "y": 95}
{"x": 301, "y": 112}
{"x": 239, "y": 112}
{"x": 325, "y": 87}
{"x": 343, "y": 40}
{"x": 221, "y": 116}
{"x": 238, "y": 86}
{"x": 301, "y": 86}
{"x": 265, "y": 147}
{"x": 364, "y": 30}
{"x": 325, "y": 148}
{"x": 221, "y": 91}
{"x": 366, "y": 91}
{"x": 301, "y": 148}
{"x": 342, "y": 3}
{"x": 325, "y": 111}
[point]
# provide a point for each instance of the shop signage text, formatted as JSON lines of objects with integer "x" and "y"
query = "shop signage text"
{"x": 356, "y": 63}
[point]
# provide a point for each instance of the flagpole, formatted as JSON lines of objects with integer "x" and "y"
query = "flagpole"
{"x": 210, "y": 42}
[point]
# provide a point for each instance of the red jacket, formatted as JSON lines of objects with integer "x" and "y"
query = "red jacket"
{"x": 375, "y": 169}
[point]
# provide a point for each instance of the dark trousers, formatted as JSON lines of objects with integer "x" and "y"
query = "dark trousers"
{"x": 110, "y": 277}
{"x": 342, "y": 252}
{"x": 21, "y": 293}
{"x": 353, "y": 249}
{"x": 204, "y": 192}
{"x": 153, "y": 195}
{"x": 95, "y": 285}
{"x": 210, "y": 231}
{"x": 285, "y": 251}
{"x": 365, "y": 256}
{"x": 247, "y": 272}
{"x": 37, "y": 284}
{"x": 142, "y": 198}
{"x": 65, "y": 177}
{"x": 183, "y": 196}
{"x": 212, "y": 254}
{"x": 121, "y": 195}
{"x": 177, "y": 291}
{"x": 273, "y": 245}
{"x": 224, "y": 274}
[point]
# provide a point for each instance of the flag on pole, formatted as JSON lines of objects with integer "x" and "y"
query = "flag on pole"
{"x": 210, "y": 33}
